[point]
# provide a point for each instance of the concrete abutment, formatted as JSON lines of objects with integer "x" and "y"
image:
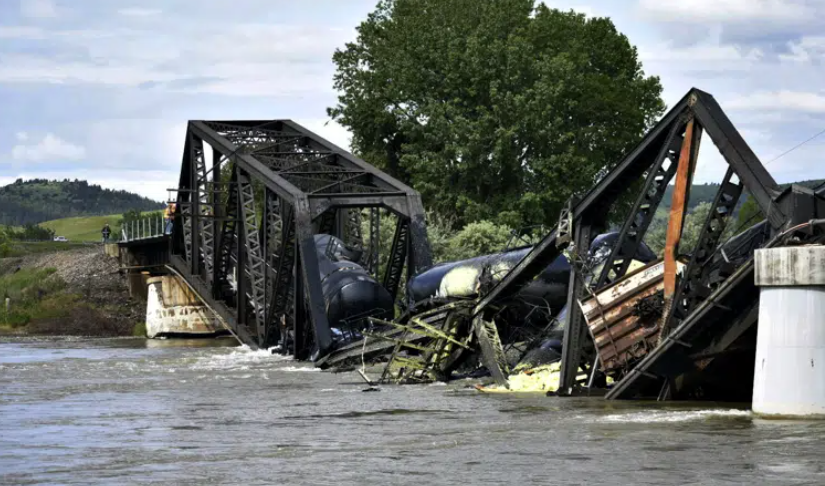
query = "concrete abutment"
{"x": 172, "y": 309}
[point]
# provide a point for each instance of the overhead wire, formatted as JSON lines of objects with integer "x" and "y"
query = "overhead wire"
{"x": 795, "y": 147}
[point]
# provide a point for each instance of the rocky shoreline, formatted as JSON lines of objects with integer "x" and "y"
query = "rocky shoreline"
{"x": 98, "y": 292}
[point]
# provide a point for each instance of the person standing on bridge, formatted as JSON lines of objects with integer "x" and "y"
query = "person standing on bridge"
{"x": 106, "y": 231}
{"x": 168, "y": 217}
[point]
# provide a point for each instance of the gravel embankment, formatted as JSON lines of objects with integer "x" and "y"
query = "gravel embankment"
{"x": 95, "y": 276}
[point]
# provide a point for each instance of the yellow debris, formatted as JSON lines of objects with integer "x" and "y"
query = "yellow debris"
{"x": 541, "y": 379}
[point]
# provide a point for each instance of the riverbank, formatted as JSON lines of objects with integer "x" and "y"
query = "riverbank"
{"x": 75, "y": 292}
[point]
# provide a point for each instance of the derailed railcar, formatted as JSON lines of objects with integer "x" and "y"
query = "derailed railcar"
{"x": 529, "y": 318}
{"x": 437, "y": 335}
{"x": 351, "y": 294}
{"x": 531, "y": 309}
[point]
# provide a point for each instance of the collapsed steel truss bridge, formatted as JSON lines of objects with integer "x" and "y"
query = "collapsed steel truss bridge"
{"x": 248, "y": 211}
{"x": 713, "y": 302}
{"x": 251, "y": 197}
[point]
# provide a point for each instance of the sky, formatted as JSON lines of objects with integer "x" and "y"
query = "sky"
{"x": 102, "y": 89}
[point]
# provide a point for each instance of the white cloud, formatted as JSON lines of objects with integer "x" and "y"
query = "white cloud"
{"x": 244, "y": 60}
{"x": 38, "y": 9}
{"x": 805, "y": 50}
{"x": 700, "y": 53}
{"x": 742, "y": 11}
{"x": 799, "y": 101}
{"x": 148, "y": 143}
{"x": 140, "y": 72}
{"x": 139, "y": 12}
{"x": 21, "y": 32}
{"x": 50, "y": 148}
{"x": 26, "y": 69}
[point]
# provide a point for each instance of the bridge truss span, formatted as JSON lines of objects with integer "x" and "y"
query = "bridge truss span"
{"x": 251, "y": 198}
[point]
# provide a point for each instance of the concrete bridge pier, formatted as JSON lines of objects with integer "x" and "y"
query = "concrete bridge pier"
{"x": 173, "y": 310}
{"x": 789, "y": 374}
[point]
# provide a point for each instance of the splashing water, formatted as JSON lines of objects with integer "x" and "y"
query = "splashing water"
{"x": 659, "y": 416}
{"x": 240, "y": 358}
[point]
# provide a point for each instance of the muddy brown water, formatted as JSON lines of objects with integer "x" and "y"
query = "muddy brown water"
{"x": 131, "y": 411}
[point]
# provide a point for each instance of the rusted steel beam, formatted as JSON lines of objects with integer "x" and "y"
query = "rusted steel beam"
{"x": 678, "y": 207}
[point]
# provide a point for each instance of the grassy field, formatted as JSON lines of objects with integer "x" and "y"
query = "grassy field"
{"x": 23, "y": 248}
{"x": 84, "y": 228}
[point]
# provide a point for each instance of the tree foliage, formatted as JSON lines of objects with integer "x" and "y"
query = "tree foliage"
{"x": 493, "y": 110}
{"x": 694, "y": 221}
{"x": 749, "y": 214}
{"x": 129, "y": 216}
{"x": 446, "y": 243}
{"x": 479, "y": 238}
{"x": 5, "y": 248}
{"x": 29, "y": 232}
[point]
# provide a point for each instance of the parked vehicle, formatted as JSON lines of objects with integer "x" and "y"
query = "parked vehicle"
{"x": 61, "y": 238}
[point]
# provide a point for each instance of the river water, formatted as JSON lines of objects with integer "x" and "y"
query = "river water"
{"x": 131, "y": 411}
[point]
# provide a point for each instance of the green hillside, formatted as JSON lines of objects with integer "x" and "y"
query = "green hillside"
{"x": 84, "y": 228}
{"x": 700, "y": 193}
{"x": 38, "y": 200}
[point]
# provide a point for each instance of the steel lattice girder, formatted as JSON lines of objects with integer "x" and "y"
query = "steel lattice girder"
{"x": 304, "y": 178}
{"x": 660, "y": 146}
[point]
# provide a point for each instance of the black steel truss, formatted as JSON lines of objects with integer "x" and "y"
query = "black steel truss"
{"x": 654, "y": 160}
{"x": 245, "y": 226}
{"x": 398, "y": 252}
{"x": 635, "y": 227}
{"x": 695, "y": 285}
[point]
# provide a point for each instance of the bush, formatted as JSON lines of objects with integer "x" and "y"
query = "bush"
{"x": 5, "y": 248}
{"x": 749, "y": 214}
{"x": 139, "y": 330}
{"x": 656, "y": 237}
{"x": 440, "y": 231}
{"x": 481, "y": 238}
{"x": 446, "y": 243}
{"x": 30, "y": 232}
{"x": 33, "y": 294}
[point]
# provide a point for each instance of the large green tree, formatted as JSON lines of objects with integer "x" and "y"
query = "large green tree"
{"x": 492, "y": 109}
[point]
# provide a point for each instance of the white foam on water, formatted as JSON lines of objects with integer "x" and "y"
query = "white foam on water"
{"x": 657, "y": 416}
{"x": 240, "y": 358}
{"x": 299, "y": 369}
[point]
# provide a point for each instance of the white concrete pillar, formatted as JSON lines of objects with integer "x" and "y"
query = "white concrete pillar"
{"x": 154, "y": 307}
{"x": 172, "y": 309}
{"x": 789, "y": 373}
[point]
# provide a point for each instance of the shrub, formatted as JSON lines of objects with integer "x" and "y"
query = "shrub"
{"x": 33, "y": 294}
{"x": 480, "y": 238}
